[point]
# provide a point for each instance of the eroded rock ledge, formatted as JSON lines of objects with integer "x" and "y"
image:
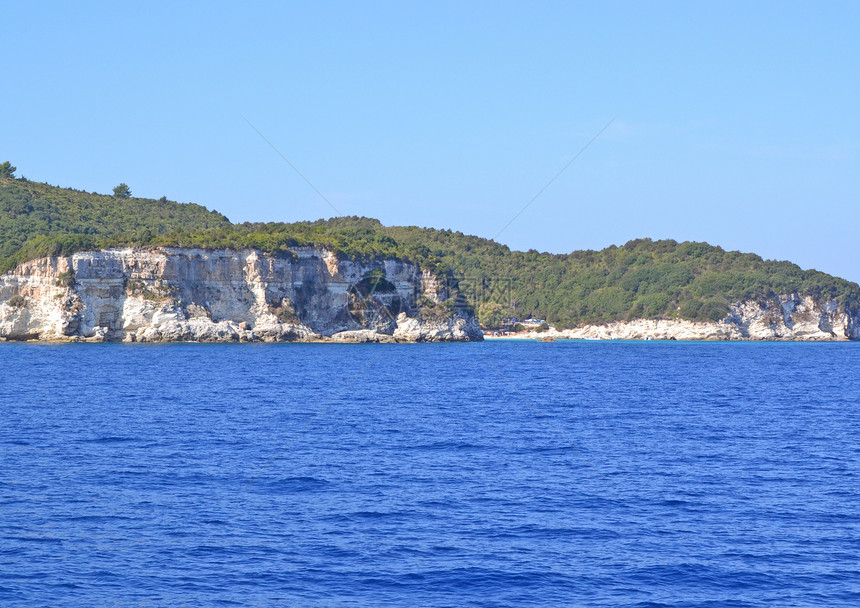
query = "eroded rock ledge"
{"x": 789, "y": 317}
{"x": 179, "y": 294}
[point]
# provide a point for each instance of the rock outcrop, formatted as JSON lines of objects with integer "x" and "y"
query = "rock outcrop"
{"x": 789, "y": 317}
{"x": 178, "y": 294}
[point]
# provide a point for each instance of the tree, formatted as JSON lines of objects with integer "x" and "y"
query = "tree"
{"x": 122, "y": 191}
{"x": 7, "y": 170}
{"x": 491, "y": 314}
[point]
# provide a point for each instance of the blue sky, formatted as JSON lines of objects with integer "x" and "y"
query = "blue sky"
{"x": 735, "y": 123}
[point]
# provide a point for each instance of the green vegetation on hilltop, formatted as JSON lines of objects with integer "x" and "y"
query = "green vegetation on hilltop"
{"x": 349, "y": 237}
{"x": 39, "y": 220}
{"x": 642, "y": 279}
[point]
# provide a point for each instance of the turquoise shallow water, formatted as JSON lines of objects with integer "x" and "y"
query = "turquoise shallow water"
{"x": 494, "y": 474}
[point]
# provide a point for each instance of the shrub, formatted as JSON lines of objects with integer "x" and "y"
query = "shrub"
{"x": 285, "y": 312}
{"x": 66, "y": 279}
{"x": 17, "y": 301}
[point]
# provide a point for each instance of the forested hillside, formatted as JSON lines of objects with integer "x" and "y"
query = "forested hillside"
{"x": 641, "y": 279}
{"x": 38, "y": 220}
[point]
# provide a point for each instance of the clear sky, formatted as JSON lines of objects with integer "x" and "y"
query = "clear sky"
{"x": 735, "y": 123}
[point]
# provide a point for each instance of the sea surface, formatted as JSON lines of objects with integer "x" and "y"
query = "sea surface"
{"x": 493, "y": 474}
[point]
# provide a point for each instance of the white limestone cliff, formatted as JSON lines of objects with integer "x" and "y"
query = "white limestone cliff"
{"x": 786, "y": 317}
{"x": 179, "y": 294}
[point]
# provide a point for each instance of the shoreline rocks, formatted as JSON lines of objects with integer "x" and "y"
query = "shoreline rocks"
{"x": 788, "y": 317}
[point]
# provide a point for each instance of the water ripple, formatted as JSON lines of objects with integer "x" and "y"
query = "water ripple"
{"x": 630, "y": 474}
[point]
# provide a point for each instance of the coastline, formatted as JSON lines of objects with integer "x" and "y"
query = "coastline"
{"x": 742, "y": 325}
{"x": 195, "y": 295}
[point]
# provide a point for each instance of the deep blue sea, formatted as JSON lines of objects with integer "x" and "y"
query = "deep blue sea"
{"x": 493, "y": 474}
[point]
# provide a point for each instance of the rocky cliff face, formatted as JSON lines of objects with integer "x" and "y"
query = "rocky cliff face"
{"x": 786, "y": 317}
{"x": 219, "y": 296}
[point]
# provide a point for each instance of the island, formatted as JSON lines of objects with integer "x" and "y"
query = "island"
{"x": 81, "y": 266}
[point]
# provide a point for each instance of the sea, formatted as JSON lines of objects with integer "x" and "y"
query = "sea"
{"x": 504, "y": 473}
